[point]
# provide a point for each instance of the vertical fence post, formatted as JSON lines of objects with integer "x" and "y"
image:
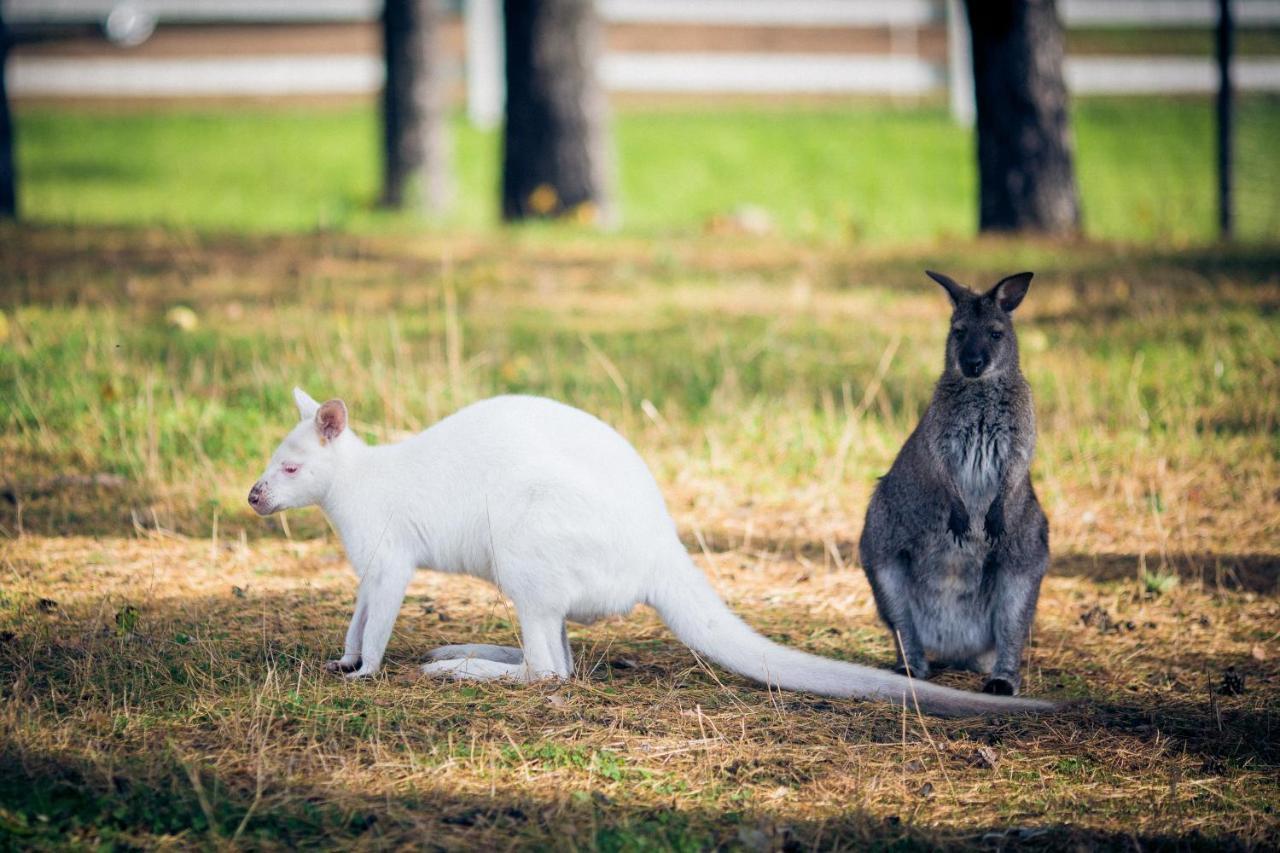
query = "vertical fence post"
{"x": 1226, "y": 34}
{"x": 485, "y": 75}
{"x": 8, "y": 177}
{"x": 959, "y": 65}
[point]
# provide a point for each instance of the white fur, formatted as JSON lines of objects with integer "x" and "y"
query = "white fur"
{"x": 561, "y": 513}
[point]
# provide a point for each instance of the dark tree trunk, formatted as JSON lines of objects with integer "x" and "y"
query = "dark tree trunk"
{"x": 555, "y": 145}
{"x": 415, "y": 132}
{"x": 1026, "y": 176}
{"x": 1225, "y": 47}
{"x": 8, "y": 175}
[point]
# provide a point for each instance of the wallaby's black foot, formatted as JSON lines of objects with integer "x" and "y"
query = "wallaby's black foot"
{"x": 998, "y": 686}
{"x": 958, "y": 522}
{"x": 922, "y": 671}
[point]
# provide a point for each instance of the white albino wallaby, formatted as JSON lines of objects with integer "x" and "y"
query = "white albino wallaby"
{"x": 559, "y": 511}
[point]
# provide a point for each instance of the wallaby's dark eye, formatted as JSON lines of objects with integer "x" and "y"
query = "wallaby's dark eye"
{"x": 996, "y": 334}
{"x": 957, "y": 330}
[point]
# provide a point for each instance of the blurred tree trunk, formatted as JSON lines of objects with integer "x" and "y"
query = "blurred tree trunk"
{"x": 414, "y": 120}
{"x": 1225, "y": 46}
{"x": 555, "y": 144}
{"x": 8, "y": 176}
{"x": 1026, "y": 175}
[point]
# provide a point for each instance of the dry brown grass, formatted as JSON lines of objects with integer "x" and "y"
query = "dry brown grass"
{"x": 211, "y": 697}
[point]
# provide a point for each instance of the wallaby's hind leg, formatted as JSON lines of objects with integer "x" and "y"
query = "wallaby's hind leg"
{"x": 564, "y": 643}
{"x": 545, "y": 655}
{"x": 890, "y": 583}
{"x": 483, "y": 651}
{"x": 546, "y": 647}
{"x": 1013, "y": 609}
{"x": 476, "y": 669}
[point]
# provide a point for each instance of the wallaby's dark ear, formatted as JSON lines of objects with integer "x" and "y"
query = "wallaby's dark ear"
{"x": 955, "y": 289}
{"x": 1009, "y": 290}
{"x": 331, "y": 420}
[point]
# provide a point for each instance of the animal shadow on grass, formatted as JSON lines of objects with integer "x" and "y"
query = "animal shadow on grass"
{"x": 1257, "y": 572}
{"x": 109, "y": 505}
{"x": 49, "y": 797}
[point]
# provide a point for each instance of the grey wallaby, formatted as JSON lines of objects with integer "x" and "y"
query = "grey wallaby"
{"x": 954, "y": 592}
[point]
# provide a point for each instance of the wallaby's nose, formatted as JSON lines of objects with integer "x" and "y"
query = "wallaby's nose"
{"x": 973, "y": 365}
{"x": 255, "y": 495}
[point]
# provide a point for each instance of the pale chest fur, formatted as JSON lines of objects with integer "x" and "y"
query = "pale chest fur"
{"x": 976, "y": 446}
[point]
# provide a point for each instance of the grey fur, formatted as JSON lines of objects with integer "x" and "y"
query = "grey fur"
{"x": 955, "y": 543}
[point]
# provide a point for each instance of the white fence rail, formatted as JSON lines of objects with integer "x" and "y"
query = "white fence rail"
{"x": 893, "y": 73}
{"x": 191, "y": 11}
{"x": 774, "y": 13}
{"x": 631, "y": 72}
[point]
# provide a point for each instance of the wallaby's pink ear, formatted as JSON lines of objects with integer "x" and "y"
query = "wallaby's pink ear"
{"x": 1009, "y": 290}
{"x": 957, "y": 291}
{"x": 331, "y": 420}
{"x": 306, "y": 406}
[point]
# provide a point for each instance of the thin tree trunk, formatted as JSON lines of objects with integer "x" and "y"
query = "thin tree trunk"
{"x": 1225, "y": 48}
{"x": 8, "y": 175}
{"x": 415, "y": 131}
{"x": 1026, "y": 175}
{"x": 555, "y": 145}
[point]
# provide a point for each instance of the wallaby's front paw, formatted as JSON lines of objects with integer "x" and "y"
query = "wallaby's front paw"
{"x": 1000, "y": 686}
{"x": 994, "y": 524}
{"x": 958, "y": 522}
{"x": 342, "y": 665}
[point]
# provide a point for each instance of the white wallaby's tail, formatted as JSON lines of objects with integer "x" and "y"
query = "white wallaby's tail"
{"x": 697, "y": 615}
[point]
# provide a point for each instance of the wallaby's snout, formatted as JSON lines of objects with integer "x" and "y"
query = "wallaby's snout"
{"x": 973, "y": 362}
{"x": 258, "y": 497}
{"x": 978, "y": 343}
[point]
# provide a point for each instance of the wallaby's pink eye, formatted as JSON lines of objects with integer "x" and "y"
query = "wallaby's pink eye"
{"x": 290, "y": 468}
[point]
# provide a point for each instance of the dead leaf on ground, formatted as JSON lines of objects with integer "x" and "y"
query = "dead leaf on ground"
{"x": 984, "y": 757}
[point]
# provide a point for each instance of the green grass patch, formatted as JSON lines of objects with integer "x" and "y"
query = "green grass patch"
{"x": 1169, "y": 41}
{"x": 847, "y": 173}
{"x": 774, "y": 372}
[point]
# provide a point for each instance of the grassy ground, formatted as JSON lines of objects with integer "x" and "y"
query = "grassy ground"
{"x": 845, "y": 174}
{"x": 1169, "y": 41}
{"x": 160, "y": 647}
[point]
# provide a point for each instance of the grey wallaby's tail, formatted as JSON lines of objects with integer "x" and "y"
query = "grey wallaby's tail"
{"x": 697, "y": 615}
